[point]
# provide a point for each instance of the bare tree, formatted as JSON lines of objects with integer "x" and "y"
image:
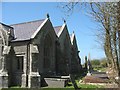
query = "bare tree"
{"x": 107, "y": 14}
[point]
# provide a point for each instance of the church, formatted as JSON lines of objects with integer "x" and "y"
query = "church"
{"x": 31, "y": 51}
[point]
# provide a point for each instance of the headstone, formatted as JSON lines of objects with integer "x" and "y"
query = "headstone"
{"x": 89, "y": 66}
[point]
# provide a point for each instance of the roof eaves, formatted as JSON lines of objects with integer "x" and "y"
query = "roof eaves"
{"x": 20, "y": 40}
{"x": 6, "y": 25}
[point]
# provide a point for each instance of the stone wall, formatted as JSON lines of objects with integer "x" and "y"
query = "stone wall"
{"x": 39, "y": 40}
{"x": 65, "y": 52}
{"x": 43, "y": 56}
{"x": 5, "y": 33}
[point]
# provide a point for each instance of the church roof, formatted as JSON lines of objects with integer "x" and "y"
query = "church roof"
{"x": 24, "y": 31}
{"x": 57, "y": 29}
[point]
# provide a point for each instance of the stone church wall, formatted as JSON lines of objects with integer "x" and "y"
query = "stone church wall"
{"x": 65, "y": 48}
{"x": 45, "y": 55}
{"x": 39, "y": 40}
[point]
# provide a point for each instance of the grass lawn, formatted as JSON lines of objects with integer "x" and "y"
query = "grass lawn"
{"x": 100, "y": 69}
{"x": 82, "y": 86}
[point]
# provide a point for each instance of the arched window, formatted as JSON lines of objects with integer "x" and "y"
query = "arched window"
{"x": 47, "y": 51}
{"x": 66, "y": 49}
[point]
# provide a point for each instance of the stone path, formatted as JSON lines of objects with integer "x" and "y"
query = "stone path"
{"x": 101, "y": 75}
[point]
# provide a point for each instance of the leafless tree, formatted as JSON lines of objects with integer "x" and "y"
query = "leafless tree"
{"x": 107, "y": 14}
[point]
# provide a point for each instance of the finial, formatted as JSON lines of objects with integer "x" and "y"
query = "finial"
{"x": 47, "y": 15}
{"x": 64, "y": 20}
{"x": 73, "y": 32}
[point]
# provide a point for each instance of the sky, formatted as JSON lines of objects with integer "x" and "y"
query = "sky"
{"x": 78, "y": 21}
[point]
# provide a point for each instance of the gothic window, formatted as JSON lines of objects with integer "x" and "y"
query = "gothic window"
{"x": 47, "y": 51}
{"x": 66, "y": 49}
{"x": 20, "y": 63}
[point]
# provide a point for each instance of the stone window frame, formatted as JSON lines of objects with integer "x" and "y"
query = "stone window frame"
{"x": 20, "y": 69}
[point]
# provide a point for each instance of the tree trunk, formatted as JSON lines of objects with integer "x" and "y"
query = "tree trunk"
{"x": 108, "y": 49}
{"x": 118, "y": 18}
{"x": 108, "y": 39}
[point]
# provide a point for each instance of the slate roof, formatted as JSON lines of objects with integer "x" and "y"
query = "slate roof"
{"x": 24, "y": 31}
{"x": 57, "y": 29}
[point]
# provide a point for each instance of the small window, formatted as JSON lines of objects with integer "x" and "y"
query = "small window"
{"x": 20, "y": 63}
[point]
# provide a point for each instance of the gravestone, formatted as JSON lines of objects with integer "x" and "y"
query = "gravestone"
{"x": 89, "y": 67}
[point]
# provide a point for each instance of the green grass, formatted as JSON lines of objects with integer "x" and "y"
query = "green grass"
{"x": 40, "y": 89}
{"x": 99, "y": 68}
{"x": 84, "y": 85}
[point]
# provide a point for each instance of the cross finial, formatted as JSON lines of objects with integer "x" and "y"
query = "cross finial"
{"x": 47, "y": 15}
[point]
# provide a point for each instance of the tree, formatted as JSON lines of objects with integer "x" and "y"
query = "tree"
{"x": 103, "y": 63}
{"x": 95, "y": 62}
{"x": 107, "y": 14}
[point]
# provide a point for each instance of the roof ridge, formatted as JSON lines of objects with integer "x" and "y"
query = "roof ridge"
{"x": 27, "y": 22}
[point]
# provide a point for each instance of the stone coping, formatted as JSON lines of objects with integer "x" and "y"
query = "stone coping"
{"x": 55, "y": 79}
